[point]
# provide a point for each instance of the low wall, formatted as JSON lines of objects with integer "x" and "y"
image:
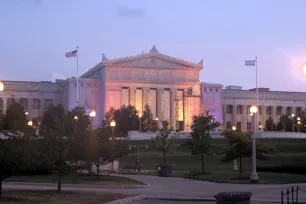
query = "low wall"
{"x": 136, "y": 135}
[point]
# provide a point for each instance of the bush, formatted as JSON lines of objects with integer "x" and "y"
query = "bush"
{"x": 283, "y": 169}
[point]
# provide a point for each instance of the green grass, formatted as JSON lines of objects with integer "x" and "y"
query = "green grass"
{"x": 51, "y": 197}
{"x": 76, "y": 179}
{"x": 292, "y": 152}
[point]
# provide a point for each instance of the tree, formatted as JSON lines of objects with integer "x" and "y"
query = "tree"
{"x": 240, "y": 146}
{"x": 102, "y": 148}
{"x": 55, "y": 142}
{"x": 147, "y": 118}
{"x": 79, "y": 124}
{"x": 126, "y": 119}
{"x": 15, "y": 119}
{"x": 285, "y": 123}
{"x": 200, "y": 141}
{"x": 11, "y": 157}
{"x": 163, "y": 142}
{"x": 269, "y": 124}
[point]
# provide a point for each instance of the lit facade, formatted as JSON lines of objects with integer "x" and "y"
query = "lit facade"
{"x": 169, "y": 85}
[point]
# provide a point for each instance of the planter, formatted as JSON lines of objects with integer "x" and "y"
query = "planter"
{"x": 164, "y": 171}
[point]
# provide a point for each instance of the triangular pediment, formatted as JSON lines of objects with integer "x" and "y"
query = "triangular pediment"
{"x": 152, "y": 60}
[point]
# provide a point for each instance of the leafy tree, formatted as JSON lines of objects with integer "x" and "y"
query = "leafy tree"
{"x": 200, "y": 141}
{"x": 240, "y": 146}
{"x": 147, "y": 118}
{"x": 78, "y": 125}
{"x": 285, "y": 123}
{"x": 55, "y": 142}
{"x": 126, "y": 119}
{"x": 163, "y": 142}
{"x": 102, "y": 148}
{"x": 269, "y": 124}
{"x": 11, "y": 157}
{"x": 15, "y": 118}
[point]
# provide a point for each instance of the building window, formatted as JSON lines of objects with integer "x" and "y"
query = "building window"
{"x": 248, "y": 109}
{"x": 269, "y": 110}
{"x": 24, "y": 103}
{"x": 204, "y": 89}
{"x": 249, "y": 126}
{"x": 260, "y": 110}
{"x": 47, "y": 103}
{"x": 210, "y": 89}
{"x": 239, "y": 126}
{"x": 239, "y": 109}
{"x": 36, "y": 104}
{"x": 229, "y": 125}
{"x": 278, "y": 110}
{"x": 217, "y": 90}
{"x": 229, "y": 109}
{"x": 298, "y": 111}
{"x": 288, "y": 111}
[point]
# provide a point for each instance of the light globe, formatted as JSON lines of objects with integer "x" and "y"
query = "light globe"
{"x": 1, "y": 86}
{"x": 92, "y": 114}
{"x": 113, "y": 124}
{"x": 253, "y": 109}
{"x": 234, "y": 128}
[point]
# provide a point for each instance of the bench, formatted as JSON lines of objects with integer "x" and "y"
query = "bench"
{"x": 128, "y": 170}
{"x": 192, "y": 175}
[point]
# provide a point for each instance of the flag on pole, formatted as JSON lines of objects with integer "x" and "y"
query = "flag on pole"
{"x": 250, "y": 63}
{"x": 71, "y": 54}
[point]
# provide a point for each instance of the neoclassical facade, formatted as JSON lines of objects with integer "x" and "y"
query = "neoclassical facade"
{"x": 170, "y": 86}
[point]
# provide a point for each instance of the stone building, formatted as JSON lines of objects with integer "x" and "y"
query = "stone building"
{"x": 169, "y": 85}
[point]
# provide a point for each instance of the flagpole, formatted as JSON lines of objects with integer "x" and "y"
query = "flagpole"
{"x": 77, "y": 58}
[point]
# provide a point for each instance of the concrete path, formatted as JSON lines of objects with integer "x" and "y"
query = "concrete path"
{"x": 176, "y": 187}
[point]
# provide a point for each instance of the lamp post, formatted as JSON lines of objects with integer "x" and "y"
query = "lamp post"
{"x": 292, "y": 116}
{"x": 92, "y": 115}
{"x": 75, "y": 118}
{"x": 235, "y": 167}
{"x": 113, "y": 124}
{"x": 254, "y": 176}
{"x": 30, "y": 123}
{"x": 140, "y": 122}
{"x": 299, "y": 123}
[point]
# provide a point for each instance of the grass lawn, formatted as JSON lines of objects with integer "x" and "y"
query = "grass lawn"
{"x": 292, "y": 152}
{"x": 76, "y": 179}
{"x": 52, "y": 197}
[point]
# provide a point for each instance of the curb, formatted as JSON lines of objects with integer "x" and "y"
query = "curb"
{"x": 127, "y": 200}
{"x": 80, "y": 185}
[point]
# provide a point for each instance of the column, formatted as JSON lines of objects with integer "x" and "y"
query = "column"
{"x": 244, "y": 117}
{"x": 263, "y": 116}
{"x": 4, "y": 100}
{"x": 29, "y": 107}
{"x": 159, "y": 107}
{"x": 41, "y": 110}
{"x": 293, "y": 110}
{"x": 283, "y": 110}
{"x": 234, "y": 114}
{"x": 132, "y": 96}
{"x": 145, "y": 97}
{"x": 274, "y": 114}
{"x": 173, "y": 106}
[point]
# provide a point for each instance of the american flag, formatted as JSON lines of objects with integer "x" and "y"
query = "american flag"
{"x": 71, "y": 54}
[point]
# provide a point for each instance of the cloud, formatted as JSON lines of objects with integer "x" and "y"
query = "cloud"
{"x": 125, "y": 11}
{"x": 55, "y": 76}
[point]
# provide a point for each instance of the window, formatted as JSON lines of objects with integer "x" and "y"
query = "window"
{"x": 288, "y": 111}
{"x": 36, "y": 104}
{"x": 229, "y": 125}
{"x": 217, "y": 90}
{"x": 278, "y": 110}
{"x": 238, "y": 125}
{"x": 248, "y": 109}
{"x": 229, "y": 109}
{"x": 204, "y": 89}
{"x": 249, "y": 126}
{"x": 298, "y": 111}
{"x": 47, "y": 103}
{"x": 259, "y": 110}
{"x": 239, "y": 109}
{"x": 210, "y": 89}
{"x": 24, "y": 103}
{"x": 269, "y": 110}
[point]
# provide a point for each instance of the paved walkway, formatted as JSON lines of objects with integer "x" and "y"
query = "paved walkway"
{"x": 176, "y": 187}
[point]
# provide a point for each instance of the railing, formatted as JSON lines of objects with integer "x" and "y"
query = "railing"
{"x": 293, "y": 193}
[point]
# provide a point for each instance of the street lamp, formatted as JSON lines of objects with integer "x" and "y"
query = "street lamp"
{"x": 75, "y": 118}
{"x": 26, "y": 113}
{"x": 30, "y": 123}
{"x": 140, "y": 122}
{"x": 235, "y": 167}
{"x": 292, "y": 116}
{"x": 113, "y": 124}
{"x": 1, "y": 86}
{"x": 138, "y": 147}
{"x": 254, "y": 176}
{"x": 92, "y": 115}
{"x": 299, "y": 123}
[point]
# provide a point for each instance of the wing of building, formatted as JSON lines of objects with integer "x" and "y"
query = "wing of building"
{"x": 169, "y": 85}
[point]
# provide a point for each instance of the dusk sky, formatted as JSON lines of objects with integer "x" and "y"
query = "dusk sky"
{"x": 35, "y": 34}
